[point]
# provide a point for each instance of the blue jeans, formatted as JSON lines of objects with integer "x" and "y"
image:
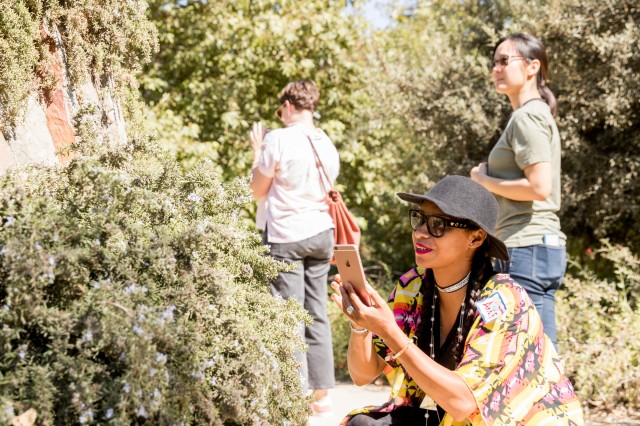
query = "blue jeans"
{"x": 307, "y": 283}
{"x": 539, "y": 269}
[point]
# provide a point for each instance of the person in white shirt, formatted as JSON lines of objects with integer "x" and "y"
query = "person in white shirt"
{"x": 296, "y": 224}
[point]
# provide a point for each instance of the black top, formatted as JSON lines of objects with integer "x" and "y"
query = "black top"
{"x": 443, "y": 354}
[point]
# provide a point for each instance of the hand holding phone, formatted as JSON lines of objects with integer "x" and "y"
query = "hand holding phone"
{"x": 351, "y": 270}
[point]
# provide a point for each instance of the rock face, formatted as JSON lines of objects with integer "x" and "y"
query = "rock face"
{"x": 48, "y": 124}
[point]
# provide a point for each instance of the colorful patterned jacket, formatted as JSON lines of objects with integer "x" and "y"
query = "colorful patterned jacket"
{"x": 509, "y": 364}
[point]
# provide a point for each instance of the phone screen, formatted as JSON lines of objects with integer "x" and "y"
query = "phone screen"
{"x": 351, "y": 270}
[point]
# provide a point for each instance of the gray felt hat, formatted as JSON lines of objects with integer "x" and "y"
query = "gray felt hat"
{"x": 463, "y": 198}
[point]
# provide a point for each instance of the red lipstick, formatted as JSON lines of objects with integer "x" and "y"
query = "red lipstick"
{"x": 422, "y": 249}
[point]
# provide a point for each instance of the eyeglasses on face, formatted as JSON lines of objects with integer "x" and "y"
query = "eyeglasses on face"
{"x": 435, "y": 224}
{"x": 503, "y": 61}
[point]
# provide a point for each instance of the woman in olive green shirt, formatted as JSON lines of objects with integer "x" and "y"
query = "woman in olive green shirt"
{"x": 523, "y": 172}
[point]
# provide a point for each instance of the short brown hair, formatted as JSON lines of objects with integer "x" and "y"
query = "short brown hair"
{"x": 303, "y": 94}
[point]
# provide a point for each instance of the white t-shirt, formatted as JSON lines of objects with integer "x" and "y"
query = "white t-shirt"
{"x": 295, "y": 208}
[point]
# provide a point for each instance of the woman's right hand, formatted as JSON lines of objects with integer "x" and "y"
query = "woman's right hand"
{"x": 362, "y": 360}
{"x": 479, "y": 171}
{"x": 256, "y": 136}
{"x": 378, "y": 317}
{"x": 341, "y": 298}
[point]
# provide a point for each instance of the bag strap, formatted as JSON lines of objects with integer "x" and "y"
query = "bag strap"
{"x": 320, "y": 166}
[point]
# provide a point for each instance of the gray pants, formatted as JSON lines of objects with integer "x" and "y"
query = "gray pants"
{"x": 307, "y": 283}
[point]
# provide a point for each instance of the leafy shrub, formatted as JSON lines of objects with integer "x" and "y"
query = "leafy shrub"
{"x": 599, "y": 323}
{"x": 340, "y": 334}
{"x": 19, "y": 57}
{"x": 132, "y": 292}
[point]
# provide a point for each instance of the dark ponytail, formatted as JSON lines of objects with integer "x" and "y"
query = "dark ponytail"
{"x": 532, "y": 48}
{"x": 481, "y": 271}
{"x": 548, "y": 96}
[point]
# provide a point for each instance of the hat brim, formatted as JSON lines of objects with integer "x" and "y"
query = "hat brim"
{"x": 497, "y": 248}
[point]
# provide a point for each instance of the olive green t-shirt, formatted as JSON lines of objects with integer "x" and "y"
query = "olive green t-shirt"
{"x": 531, "y": 137}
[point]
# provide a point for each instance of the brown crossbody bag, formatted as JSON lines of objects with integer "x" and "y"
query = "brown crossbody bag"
{"x": 346, "y": 230}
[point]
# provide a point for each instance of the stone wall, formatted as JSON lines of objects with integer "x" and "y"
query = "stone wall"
{"x": 48, "y": 124}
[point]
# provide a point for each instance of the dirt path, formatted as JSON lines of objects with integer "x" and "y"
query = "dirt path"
{"x": 347, "y": 396}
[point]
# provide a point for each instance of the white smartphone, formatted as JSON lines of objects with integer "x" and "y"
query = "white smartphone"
{"x": 350, "y": 269}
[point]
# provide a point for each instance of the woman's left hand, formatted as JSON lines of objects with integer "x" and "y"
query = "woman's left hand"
{"x": 340, "y": 298}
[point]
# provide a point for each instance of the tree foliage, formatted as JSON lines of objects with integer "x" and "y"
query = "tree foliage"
{"x": 409, "y": 104}
{"x": 596, "y": 55}
{"x": 594, "y": 58}
{"x": 221, "y": 65}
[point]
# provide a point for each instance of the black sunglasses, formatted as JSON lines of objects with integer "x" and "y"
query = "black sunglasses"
{"x": 436, "y": 224}
{"x": 503, "y": 61}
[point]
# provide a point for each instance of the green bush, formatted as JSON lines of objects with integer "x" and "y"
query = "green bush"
{"x": 340, "y": 334}
{"x": 132, "y": 292}
{"x": 19, "y": 57}
{"x": 599, "y": 324}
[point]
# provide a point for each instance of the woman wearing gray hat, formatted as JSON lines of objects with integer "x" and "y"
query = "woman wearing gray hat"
{"x": 465, "y": 346}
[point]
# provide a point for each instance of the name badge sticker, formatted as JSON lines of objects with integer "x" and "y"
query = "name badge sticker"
{"x": 491, "y": 308}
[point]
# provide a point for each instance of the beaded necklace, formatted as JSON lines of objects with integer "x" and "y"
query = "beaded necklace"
{"x": 431, "y": 405}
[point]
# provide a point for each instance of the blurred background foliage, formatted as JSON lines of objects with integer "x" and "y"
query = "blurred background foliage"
{"x": 409, "y": 103}
{"x": 412, "y": 102}
{"x": 221, "y": 65}
{"x": 405, "y": 104}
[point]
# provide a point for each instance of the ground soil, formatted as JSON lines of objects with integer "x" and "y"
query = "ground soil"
{"x": 618, "y": 417}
